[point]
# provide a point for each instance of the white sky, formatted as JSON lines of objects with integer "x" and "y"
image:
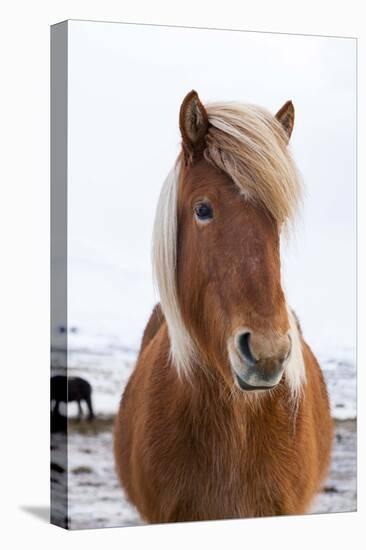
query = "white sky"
{"x": 126, "y": 84}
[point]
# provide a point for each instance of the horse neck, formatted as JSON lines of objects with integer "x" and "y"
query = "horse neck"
{"x": 207, "y": 403}
{"x": 208, "y": 392}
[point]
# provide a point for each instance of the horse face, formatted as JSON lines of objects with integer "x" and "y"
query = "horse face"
{"x": 228, "y": 277}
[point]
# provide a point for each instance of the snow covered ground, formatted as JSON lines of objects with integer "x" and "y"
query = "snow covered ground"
{"x": 95, "y": 498}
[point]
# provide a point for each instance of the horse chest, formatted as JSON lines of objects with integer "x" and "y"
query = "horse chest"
{"x": 224, "y": 473}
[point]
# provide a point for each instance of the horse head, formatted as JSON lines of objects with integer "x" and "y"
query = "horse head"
{"x": 217, "y": 244}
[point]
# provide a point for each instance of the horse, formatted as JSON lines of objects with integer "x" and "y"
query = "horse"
{"x": 226, "y": 413}
{"x": 69, "y": 389}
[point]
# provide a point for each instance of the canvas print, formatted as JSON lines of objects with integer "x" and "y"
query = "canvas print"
{"x": 203, "y": 274}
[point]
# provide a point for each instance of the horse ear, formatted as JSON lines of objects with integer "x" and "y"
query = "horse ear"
{"x": 193, "y": 123}
{"x": 286, "y": 117}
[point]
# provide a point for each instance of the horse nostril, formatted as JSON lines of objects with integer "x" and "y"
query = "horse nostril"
{"x": 244, "y": 348}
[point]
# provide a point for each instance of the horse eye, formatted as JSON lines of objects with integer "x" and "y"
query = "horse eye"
{"x": 203, "y": 211}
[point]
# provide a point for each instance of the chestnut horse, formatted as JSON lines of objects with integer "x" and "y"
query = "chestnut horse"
{"x": 226, "y": 414}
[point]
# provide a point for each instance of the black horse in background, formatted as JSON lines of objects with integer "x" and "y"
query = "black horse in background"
{"x": 68, "y": 389}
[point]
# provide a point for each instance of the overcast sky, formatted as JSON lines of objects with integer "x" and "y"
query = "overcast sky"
{"x": 126, "y": 84}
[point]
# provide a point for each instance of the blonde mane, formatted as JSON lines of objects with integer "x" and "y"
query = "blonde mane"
{"x": 249, "y": 144}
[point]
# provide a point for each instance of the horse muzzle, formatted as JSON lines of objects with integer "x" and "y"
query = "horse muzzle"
{"x": 258, "y": 363}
